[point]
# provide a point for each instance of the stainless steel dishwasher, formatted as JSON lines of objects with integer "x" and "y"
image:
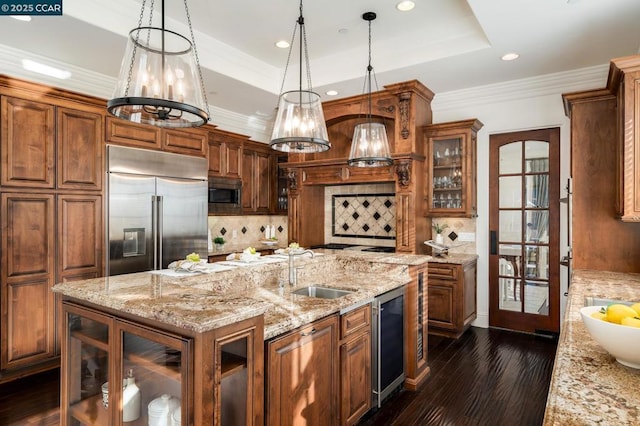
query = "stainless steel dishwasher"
{"x": 387, "y": 360}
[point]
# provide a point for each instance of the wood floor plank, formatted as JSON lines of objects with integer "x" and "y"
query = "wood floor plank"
{"x": 488, "y": 376}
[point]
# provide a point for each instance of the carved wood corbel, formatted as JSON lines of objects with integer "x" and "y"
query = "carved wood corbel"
{"x": 405, "y": 99}
{"x": 403, "y": 171}
{"x": 292, "y": 179}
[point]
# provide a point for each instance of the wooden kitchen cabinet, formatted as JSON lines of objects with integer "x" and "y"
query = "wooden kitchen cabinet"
{"x": 258, "y": 179}
{"x": 212, "y": 378}
{"x": 123, "y": 132}
{"x": 79, "y": 150}
{"x": 451, "y": 168}
{"x": 185, "y": 141}
{"x": 416, "y": 322}
{"x": 48, "y": 146}
{"x": 452, "y": 297}
{"x": 46, "y": 239}
{"x": 225, "y": 154}
{"x": 624, "y": 83}
{"x": 355, "y": 365}
{"x": 27, "y": 325}
{"x": 27, "y": 131}
{"x": 51, "y": 174}
{"x": 136, "y": 135}
{"x": 79, "y": 237}
{"x": 302, "y": 378}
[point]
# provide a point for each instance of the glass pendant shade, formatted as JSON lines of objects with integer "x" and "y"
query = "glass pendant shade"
{"x": 370, "y": 146}
{"x": 299, "y": 125}
{"x": 160, "y": 81}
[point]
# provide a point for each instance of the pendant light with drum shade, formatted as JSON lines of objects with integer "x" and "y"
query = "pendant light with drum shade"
{"x": 160, "y": 81}
{"x": 299, "y": 125}
{"x": 370, "y": 146}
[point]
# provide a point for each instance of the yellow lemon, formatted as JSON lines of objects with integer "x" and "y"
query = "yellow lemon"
{"x": 631, "y": 321}
{"x": 617, "y": 311}
{"x": 599, "y": 315}
{"x": 636, "y": 307}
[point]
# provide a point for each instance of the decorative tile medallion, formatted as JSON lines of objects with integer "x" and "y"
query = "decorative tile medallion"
{"x": 364, "y": 215}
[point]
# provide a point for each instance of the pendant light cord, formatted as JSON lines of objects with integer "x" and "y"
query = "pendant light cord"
{"x": 303, "y": 53}
{"x": 369, "y": 69}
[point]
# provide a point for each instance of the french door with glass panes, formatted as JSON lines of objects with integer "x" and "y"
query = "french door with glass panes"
{"x": 524, "y": 225}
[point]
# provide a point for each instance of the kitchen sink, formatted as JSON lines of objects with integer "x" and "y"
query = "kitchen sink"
{"x": 321, "y": 292}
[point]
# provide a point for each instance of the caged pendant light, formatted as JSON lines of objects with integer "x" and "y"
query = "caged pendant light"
{"x": 160, "y": 81}
{"x": 299, "y": 125}
{"x": 369, "y": 147}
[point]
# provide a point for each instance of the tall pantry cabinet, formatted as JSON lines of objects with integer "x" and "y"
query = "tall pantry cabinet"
{"x": 51, "y": 174}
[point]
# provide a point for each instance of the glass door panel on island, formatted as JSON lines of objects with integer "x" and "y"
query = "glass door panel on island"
{"x": 85, "y": 369}
{"x": 154, "y": 382}
{"x": 150, "y": 366}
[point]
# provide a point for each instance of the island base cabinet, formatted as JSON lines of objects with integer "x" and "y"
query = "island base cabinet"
{"x": 164, "y": 377}
{"x": 355, "y": 365}
{"x": 302, "y": 377}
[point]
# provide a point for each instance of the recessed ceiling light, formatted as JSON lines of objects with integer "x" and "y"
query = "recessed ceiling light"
{"x": 331, "y": 92}
{"x": 510, "y": 56}
{"x": 25, "y": 18}
{"x": 45, "y": 69}
{"x": 405, "y": 6}
{"x": 282, "y": 44}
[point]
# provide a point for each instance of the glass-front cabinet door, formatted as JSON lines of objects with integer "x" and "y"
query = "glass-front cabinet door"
{"x": 150, "y": 366}
{"x": 86, "y": 362}
{"x": 153, "y": 373}
{"x": 451, "y": 171}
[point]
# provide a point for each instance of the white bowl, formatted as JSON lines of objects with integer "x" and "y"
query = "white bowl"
{"x": 621, "y": 341}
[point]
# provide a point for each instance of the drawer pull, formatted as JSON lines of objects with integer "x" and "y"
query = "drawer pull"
{"x": 313, "y": 331}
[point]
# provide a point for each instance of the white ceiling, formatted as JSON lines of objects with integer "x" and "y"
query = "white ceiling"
{"x": 446, "y": 44}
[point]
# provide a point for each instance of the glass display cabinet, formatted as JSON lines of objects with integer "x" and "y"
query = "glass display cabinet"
{"x": 451, "y": 171}
{"x": 151, "y": 365}
{"x": 208, "y": 378}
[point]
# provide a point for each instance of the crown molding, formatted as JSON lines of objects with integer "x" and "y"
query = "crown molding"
{"x": 544, "y": 85}
{"x": 101, "y": 86}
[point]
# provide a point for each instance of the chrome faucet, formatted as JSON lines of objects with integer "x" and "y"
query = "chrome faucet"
{"x": 293, "y": 276}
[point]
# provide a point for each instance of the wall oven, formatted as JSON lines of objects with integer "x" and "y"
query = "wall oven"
{"x": 387, "y": 360}
{"x": 225, "y": 196}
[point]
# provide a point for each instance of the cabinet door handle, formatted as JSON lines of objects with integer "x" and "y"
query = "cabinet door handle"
{"x": 313, "y": 331}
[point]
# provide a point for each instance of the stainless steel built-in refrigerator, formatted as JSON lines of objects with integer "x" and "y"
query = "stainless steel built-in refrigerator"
{"x": 156, "y": 210}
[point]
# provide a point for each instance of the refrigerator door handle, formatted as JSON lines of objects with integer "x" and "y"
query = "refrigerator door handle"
{"x": 160, "y": 214}
{"x": 154, "y": 229}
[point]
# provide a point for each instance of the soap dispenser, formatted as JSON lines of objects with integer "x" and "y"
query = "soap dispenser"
{"x": 130, "y": 399}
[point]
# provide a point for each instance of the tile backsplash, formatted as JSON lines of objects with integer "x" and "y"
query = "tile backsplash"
{"x": 360, "y": 214}
{"x": 458, "y": 225}
{"x": 248, "y": 229}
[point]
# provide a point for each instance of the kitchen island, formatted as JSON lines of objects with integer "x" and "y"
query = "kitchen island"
{"x": 194, "y": 308}
{"x": 588, "y": 386}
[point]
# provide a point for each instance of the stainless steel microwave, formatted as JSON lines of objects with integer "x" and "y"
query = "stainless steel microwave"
{"x": 225, "y": 196}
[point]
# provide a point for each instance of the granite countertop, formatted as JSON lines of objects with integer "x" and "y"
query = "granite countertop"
{"x": 202, "y": 302}
{"x": 588, "y": 386}
{"x": 455, "y": 258}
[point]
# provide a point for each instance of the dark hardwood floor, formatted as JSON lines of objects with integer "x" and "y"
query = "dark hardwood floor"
{"x": 487, "y": 377}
